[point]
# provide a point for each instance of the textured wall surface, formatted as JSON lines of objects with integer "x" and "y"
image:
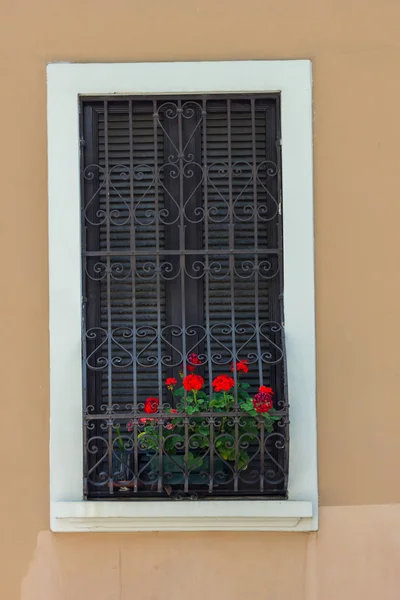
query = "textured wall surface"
{"x": 355, "y": 49}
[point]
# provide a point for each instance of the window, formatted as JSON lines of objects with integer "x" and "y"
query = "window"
{"x": 174, "y": 244}
{"x": 182, "y": 263}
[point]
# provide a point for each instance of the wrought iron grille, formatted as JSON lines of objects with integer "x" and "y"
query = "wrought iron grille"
{"x": 182, "y": 275}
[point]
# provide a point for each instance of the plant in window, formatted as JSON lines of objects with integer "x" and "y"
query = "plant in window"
{"x": 232, "y": 429}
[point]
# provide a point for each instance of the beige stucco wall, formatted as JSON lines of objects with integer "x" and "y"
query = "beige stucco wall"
{"x": 355, "y": 48}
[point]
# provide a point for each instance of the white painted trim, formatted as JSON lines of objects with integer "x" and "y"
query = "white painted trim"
{"x": 234, "y": 515}
{"x": 65, "y": 82}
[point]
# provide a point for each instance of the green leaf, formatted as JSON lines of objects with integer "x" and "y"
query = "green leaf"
{"x": 204, "y": 430}
{"x": 203, "y": 443}
{"x": 217, "y": 403}
{"x": 243, "y": 460}
{"x": 193, "y": 409}
{"x": 227, "y": 453}
{"x": 243, "y": 395}
{"x": 119, "y": 439}
{"x": 249, "y": 408}
{"x": 246, "y": 405}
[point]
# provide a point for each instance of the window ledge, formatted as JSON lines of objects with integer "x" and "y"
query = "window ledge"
{"x": 210, "y": 515}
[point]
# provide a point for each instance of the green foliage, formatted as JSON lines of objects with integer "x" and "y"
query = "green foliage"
{"x": 225, "y": 429}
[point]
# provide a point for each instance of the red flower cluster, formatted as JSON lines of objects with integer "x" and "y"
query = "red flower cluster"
{"x": 193, "y": 382}
{"x": 151, "y": 405}
{"x": 142, "y": 421}
{"x": 262, "y": 401}
{"x": 193, "y": 358}
{"x": 223, "y": 383}
{"x": 266, "y": 390}
{"x": 241, "y": 366}
{"x": 170, "y": 382}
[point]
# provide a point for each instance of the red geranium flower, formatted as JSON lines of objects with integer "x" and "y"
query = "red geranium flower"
{"x": 266, "y": 390}
{"x": 262, "y": 402}
{"x": 223, "y": 383}
{"x": 194, "y": 359}
{"x": 170, "y": 382}
{"x": 173, "y": 410}
{"x": 241, "y": 366}
{"x": 193, "y": 382}
{"x": 143, "y": 421}
{"x": 151, "y": 405}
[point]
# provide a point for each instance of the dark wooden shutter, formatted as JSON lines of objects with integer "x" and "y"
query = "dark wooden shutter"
{"x": 131, "y": 135}
{"x": 246, "y": 146}
{"x": 131, "y": 145}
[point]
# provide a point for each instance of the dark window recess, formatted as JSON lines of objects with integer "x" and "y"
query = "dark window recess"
{"x": 182, "y": 256}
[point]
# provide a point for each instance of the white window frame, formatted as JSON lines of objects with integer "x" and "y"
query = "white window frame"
{"x": 65, "y": 83}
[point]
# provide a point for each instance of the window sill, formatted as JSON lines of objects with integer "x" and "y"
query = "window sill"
{"x": 213, "y": 515}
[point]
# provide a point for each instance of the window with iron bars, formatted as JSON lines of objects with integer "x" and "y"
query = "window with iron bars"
{"x": 183, "y": 283}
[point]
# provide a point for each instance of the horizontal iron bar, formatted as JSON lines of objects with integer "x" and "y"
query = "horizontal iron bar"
{"x": 189, "y": 96}
{"x": 153, "y": 252}
{"x": 270, "y": 495}
{"x": 160, "y": 416}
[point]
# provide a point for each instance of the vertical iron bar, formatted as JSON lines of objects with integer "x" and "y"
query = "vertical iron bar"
{"x": 275, "y": 284}
{"x": 158, "y": 273}
{"x": 255, "y": 209}
{"x": 231, "y": 247}
{"x": 206, "y": 248}
{"x": 207, "y": 290}
{"x": 133, "y": 256}
{"x": 108, "y": 280}
{"x": 280, "y": 198}
{"x": 182, "y": 262}
{"x": 89, "y": 117}
{"x": 232, "y": 287}
{"x": 160, "y": 456}
{"x": 84, "y": 303}
{"x": 85, "y": 460}
{"x": 211, "y": 479}
{"x": 182, "y": 266}
{"x": 236, "y": 472}
{"x": 135, "y": 455}
{"x": 262, "y": 455}
{"x": 186, "y": 457}
{"x": 285, "y": 451}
